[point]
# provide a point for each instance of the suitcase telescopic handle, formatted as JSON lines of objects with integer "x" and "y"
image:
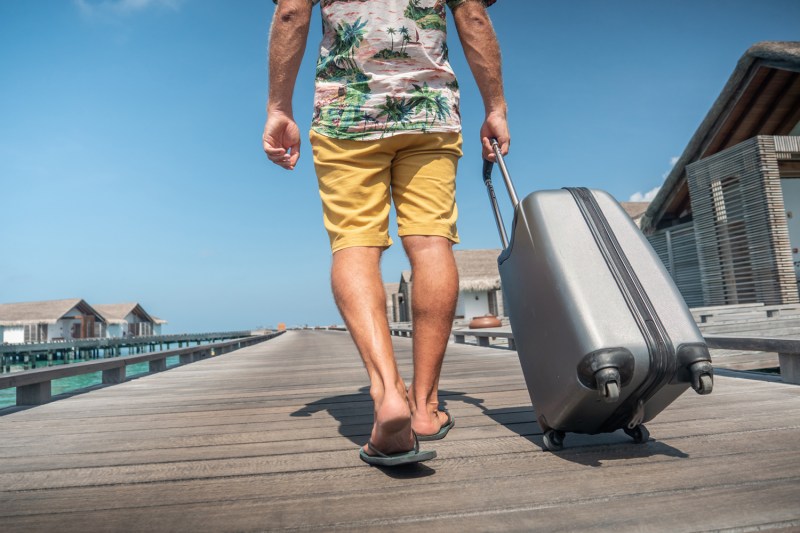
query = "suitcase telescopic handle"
{"x": 512, "y": 193}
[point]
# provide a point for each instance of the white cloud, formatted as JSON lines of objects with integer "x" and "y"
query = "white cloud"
{"x": 123, "y": 7}
{"x": 649, "y": 195}
{"x": 645, "y": 197}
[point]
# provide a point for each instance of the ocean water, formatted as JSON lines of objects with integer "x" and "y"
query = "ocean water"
{"x": 8, "y": 397}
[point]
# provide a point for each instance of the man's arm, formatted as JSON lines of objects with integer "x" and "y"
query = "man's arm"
{"x": 483, "y": 55}
{"x": 287, "y": 43}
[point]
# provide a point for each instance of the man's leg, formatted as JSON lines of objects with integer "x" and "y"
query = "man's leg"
{"x": 360, "y": 296}
{"x": 433, "y": 300}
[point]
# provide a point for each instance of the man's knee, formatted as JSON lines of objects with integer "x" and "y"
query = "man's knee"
{"x": 427, "y": 243}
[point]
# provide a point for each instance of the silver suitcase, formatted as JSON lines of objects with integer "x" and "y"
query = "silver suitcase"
{"x": 604, "y": 338}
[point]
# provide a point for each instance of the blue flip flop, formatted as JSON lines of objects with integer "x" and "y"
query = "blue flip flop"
{"x": 397, "y": 459}
{"x": 446, "y": 427}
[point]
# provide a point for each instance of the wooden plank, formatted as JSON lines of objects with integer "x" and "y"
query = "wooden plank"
{"x": 267, "y": 438}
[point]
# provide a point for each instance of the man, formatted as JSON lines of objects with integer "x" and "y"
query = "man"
{"x": 386, "y": 128}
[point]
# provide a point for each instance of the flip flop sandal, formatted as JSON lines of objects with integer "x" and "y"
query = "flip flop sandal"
{"x": 446, "y": 427}
{"x": 381, "y": 459}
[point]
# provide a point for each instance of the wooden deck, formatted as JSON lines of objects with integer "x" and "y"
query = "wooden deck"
{"x": 266, "y": 438}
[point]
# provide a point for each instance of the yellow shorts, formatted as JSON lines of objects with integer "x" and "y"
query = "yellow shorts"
{"x": 359, "y": 179}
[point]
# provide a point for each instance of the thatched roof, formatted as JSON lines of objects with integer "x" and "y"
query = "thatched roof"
{"x": 635, "y": 210}
{"x": 477, "y": 270}
{"x": 46, "y": 312}
{"x": 391, "y": 288}
{"x": 116, "y": 313}
{"x": 758, "y": 99}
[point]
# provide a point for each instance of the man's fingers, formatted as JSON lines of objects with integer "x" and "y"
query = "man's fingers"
{"x": 273, "y": 151}
{"x": 488, "y": 153}
{"x": 505, "y": 145}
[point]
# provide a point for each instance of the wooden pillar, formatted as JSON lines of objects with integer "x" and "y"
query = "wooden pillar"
{"x": 114, "y": 375}
{"x": 35, "y": 394}
{"x": 158, "y": 365}
{"x": 483, "y": 341}
{"x": 790, "y": 367}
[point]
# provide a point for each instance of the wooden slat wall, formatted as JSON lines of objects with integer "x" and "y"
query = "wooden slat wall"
{"x": 787, "y": 147}
{"x": 677, "y": 249}
{"x": 740, "y": 225}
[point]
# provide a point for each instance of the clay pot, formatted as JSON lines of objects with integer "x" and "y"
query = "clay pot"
{"x": 485, "y": 321}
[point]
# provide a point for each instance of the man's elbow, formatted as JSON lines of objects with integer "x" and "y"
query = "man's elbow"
{"x": 293, "y": 12}
{"x": 473, "y": 18}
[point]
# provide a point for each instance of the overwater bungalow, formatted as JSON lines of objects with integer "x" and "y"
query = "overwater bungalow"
{"x": 129, "y": 320}
{"x": 51, "y": 320}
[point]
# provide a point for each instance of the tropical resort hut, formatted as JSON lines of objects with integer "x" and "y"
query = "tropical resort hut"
{"x": 479, "y": 291}
{"x": 635, "y": 210}
{"x": 726, "y": 222}
{"x": 50, "y": 320}
{"x": 129, "y": 320}
{"x": 402, "y": 298}
{"x": 391, "y": 290}
{"x": 478, "y": 288}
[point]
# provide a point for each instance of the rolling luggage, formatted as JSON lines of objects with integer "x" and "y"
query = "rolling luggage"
{"x": 604, "y": 338}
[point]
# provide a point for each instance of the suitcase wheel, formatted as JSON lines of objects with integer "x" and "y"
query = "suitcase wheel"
{"x": 702, "y": 376}
{"x": 611, "y": 392}
{"x": 553, "y": 440}
{"x": 608, "y": 380}
{"x": 705, "y": 384}
{"x": 639, "y": 433}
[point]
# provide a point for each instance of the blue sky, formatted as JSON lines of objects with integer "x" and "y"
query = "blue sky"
{"x": 130, "y": 154}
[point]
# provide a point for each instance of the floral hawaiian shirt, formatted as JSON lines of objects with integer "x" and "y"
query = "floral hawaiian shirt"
{"x": 383, "y": 69}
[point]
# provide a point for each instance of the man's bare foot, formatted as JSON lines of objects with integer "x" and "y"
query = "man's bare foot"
{"x": 391, "y": 432}
{"x": 426, "y": 419}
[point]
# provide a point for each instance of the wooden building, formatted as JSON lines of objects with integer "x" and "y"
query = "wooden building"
{"x": 50, "y": 320}
{"x": 129, "y": 320}
{"x": 635, "y": 210}
{"x": 478, "y": 288}
{"x": 479, "y": 291}
{"x": 723, "y": 221}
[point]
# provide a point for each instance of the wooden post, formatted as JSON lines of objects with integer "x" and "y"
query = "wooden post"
{"x": 460, "y": 339}
{"x": 35, "y": 394}
{"x": 158, "y": 365}
{"x": 790, "y": 367}
{"x": 483, "y": 341}
{"x": 114, "y": 375}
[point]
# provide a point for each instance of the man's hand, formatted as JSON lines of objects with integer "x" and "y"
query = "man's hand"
{"x": 287, "y": 42}
{"x": 282, "y": 140}
{"x": 495, "y": 127}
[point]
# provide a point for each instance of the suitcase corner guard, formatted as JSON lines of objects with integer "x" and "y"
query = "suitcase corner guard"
{"x": 607, "y": 371}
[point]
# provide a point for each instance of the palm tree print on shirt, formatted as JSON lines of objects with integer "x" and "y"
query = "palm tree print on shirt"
{"x": 397, "y": 110}
{"x": 384, "y": 70}
{"x": 391, "y": 53}
{"x": 429, "y": 18}
{"x": 433, "y": 103}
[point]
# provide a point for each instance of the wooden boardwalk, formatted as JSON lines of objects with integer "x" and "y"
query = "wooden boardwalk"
{"x": 266, "y": 438}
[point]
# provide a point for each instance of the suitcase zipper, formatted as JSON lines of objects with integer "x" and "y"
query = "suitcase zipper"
{"x": 660, "y": 348}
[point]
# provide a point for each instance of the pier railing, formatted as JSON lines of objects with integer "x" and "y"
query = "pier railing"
{"x": 117, "y": 342}
{"x": 788, "y": 350}
{"x": 34, "y": 386}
